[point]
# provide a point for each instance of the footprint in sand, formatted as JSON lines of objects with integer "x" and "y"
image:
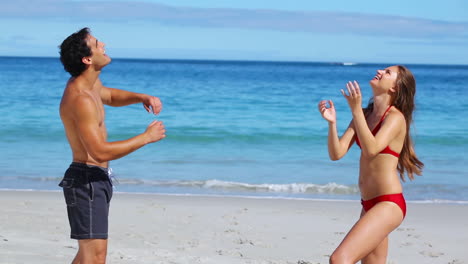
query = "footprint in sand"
{"x": 193, "y": 243}
{"x": 406, "y": 244}
{"x": 241, "y": 241}
{"x": 233, "y": 219}
{"x": 412, "y": 235}
{"x": 244, "y": 210}
{"x": 231, "y": 231}
{"x": 303, "y": 262}
{"x": 431, "y": 254}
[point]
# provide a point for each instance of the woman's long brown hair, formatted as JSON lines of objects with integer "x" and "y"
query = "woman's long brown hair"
{"x": 403, "y": 100}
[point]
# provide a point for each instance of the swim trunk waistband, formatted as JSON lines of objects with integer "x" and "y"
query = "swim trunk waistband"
{"x": 98, "y": 171}
{"x": 79, "y": 165}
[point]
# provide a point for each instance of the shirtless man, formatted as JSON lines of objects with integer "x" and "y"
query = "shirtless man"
{"x": 86, "y": 185}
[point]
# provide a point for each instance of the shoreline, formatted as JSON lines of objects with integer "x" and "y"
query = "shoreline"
{"x": 434, "y": 201}
{"x": 154, "y": 228}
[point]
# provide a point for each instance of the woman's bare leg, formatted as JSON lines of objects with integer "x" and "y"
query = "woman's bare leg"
{"x": 369, "y": 234}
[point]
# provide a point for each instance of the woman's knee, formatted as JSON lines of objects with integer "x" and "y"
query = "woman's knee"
{"x": 339, "y": 257}
{"x": 375, "y": 258}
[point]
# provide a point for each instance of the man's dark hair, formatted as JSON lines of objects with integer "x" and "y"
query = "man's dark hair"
{"x": 73, "y": 49}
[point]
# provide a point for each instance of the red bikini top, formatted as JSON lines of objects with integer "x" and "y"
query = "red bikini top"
{"x": 387, "y": 149}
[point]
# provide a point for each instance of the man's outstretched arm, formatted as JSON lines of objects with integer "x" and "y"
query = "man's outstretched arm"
{"x": 117, "y": 97}
{"x": 87, "y": 121}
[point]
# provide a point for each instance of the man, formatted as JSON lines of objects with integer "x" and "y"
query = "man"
{"x": 86, "y": 185}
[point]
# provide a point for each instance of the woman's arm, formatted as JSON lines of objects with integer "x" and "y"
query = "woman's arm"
{"x": 371, "y": 145}
{"x": 337, "y": 147}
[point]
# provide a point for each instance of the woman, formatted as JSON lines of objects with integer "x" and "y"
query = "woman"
{"x": 382, "y": 132}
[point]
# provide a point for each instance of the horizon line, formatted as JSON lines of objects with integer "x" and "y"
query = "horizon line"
{"x": 342, "y": 63}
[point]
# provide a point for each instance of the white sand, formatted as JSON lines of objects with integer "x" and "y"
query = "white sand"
{"x": 191, "y": 229}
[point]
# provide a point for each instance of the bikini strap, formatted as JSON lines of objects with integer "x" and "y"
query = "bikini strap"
{"x": 383, "y": 116}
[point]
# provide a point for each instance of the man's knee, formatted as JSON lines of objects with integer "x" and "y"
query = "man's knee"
{"x": 100, "y": 258}
{"x": 94, "y": 258}
{"x": 99, "y": 255}
{"x": 93, "y": 251}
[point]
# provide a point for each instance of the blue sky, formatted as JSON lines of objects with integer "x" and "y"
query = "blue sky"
{"x": 395, "y": 31}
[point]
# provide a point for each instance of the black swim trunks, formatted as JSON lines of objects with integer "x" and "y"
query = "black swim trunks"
{"x": 88, "y": 192}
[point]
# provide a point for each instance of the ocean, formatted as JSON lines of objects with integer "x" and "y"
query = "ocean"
{"x": 242, "y": 128}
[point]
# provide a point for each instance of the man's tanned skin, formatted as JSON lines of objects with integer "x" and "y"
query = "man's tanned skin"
{"x": 82, "y": 113}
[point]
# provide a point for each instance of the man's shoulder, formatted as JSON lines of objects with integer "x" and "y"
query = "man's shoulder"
{"x": 76, "y": 83}
{"x": 77, "y": 86}
{"x": 79, "y": 106}
{"x": 76, "y": 95}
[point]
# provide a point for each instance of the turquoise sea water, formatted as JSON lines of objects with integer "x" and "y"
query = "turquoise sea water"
{"x": 233, "y": 128}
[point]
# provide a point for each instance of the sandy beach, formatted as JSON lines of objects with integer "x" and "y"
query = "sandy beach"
{"x": 147, "y": 228}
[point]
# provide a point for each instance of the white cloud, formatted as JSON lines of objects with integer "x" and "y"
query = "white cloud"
{"x": 254, "y": 19}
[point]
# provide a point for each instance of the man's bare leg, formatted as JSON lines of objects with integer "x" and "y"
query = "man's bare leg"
{"x": 77, "y": 259}
{"x": 91, "y": 251}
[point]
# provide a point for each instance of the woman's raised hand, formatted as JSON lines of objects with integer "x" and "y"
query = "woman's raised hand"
{"x": 328, "y": 113}
{"x": 353, "y": 96}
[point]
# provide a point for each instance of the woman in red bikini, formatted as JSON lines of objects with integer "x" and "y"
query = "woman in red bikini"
{"x": 382, "y": 132}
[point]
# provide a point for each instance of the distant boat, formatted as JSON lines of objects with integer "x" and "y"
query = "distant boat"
{"x": 349, "y": 63}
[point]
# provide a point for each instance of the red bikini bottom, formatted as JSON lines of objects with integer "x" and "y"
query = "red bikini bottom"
{"x": 396, "y": 198}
